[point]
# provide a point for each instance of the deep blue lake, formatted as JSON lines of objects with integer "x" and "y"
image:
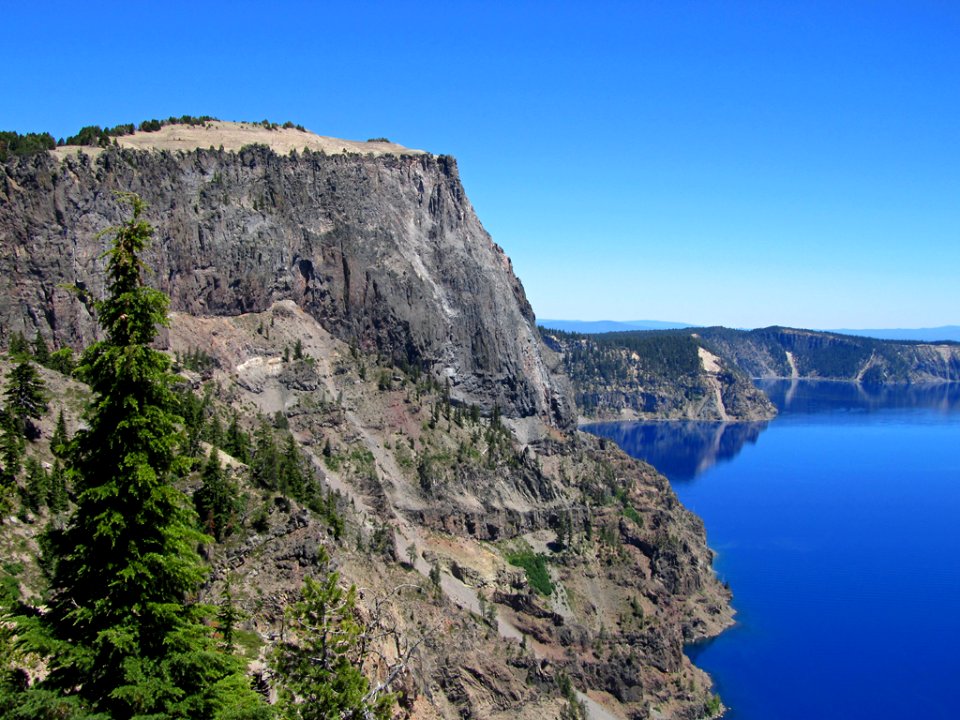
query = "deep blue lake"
{"x": 837, "y": 526}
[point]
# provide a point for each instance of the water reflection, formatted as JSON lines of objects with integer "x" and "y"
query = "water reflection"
{"x": 683, "y": 450}
{"x": 680, "y": 450}
{"x": 811, "y": 396}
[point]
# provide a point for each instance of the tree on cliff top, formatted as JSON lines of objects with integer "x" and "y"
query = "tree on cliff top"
{"x": 127, "y": 637}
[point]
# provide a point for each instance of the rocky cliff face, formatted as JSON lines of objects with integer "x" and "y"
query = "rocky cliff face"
{"x": 385, "y": 251}
{"x": 650, "y": 375}
{"x": 787, "y": 352}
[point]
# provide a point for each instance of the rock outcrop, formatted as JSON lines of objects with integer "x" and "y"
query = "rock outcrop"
{"x": 385, "y": 251}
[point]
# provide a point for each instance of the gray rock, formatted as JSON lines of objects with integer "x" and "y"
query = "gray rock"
{"x": 385, "y": 252}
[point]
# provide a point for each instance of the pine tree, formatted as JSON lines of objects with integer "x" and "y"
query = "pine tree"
{"x": 41, "y": 353}
{"x": 237, "y": 442}
{"x": 217, "y": 499}
{"x": 228, "y": 615}
{"x": 292, "y": 476}
{"x": 62, "y": 361}
{"x": 11, "y": 449}
{"x": 265, "y": 465}
{"x": 58, "y": 488}
{"x": 26, "y": 397}
{"x": 59, "y": 440}
{"x": 37, "y": 491}
{"x": 18, "y": 348}
{"x": 319, "y": 670}
{"x": 127, "y": 639}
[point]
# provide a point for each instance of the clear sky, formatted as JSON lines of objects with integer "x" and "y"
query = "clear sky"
{"x": 735, "y": 163}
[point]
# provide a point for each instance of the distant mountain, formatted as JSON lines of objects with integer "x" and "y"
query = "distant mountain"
{"x": 604, "y": 326}
{"x": 944, "y": 332}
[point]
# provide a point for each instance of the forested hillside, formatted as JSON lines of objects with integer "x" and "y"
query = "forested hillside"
{"x": 654, "y": 375}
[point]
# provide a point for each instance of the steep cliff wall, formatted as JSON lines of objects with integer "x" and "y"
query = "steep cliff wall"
{"x": 385, "y": 251}
{"x": 655, "y": 375}
{"x": 787, "y": 352}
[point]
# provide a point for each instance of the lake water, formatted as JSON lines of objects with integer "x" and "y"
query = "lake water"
{"x": 837, "y": 526}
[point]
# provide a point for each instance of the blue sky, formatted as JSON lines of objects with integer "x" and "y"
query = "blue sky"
{"x": 736, "y": 163}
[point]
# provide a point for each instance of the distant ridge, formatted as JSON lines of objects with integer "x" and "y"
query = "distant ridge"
{"x": 605, "y": 326}
{"x": 944, "y": 332}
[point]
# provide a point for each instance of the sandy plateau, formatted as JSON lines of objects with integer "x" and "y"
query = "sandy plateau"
{"x": 233, "y": 136}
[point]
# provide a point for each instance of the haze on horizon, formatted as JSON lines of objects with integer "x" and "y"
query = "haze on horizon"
{"x": 741, "y": 164}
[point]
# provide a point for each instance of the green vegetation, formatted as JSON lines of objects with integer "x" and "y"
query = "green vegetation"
{"x": 121, "y": 637}
{"x": 630, "y": 512}
{"x": 623, "y": 357}
{"x": 26, "y": 398}
{"x": 817, "y": 354}
{"x": 320, "y": 674}
{"x": 15, "y": 144}
{"x": 217, "y": 500}
{"x": 713, "y": 706}
{"x": 195, "y": 360}
{"x": 535, "y": 565}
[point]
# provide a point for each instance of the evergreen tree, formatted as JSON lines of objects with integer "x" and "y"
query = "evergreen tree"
{"x": 319, "y": 670}
{"x": 213, "y": 431}
{"x": 217, "y": 499}
{"x": 18, "y": 349}
{"x": 37, "y": 490}
{"x": 11, "y": 449}
{"x": 126, "y": 638}
{"x": 62, "y": 361}
{"x": 237, "y": 442}
{"x": 228, "y": 615}
{"x": 58, "y": 488}
{"x": 265, "y": 465}
{"x": 26, "y": 397}
{"x": 292, "y": 476}
{"x": 59, "y": 441}
{"x": 41, "y": 353}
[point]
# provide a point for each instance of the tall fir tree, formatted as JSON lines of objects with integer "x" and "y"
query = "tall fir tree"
{"x": 319, "y": 671}
{"x": 18, "y": 348}
{"x": 59, "y": 441}
{"x": 237, "y": 442}
{"x": 41, "y": 353}
{"x": 217, "y": 500}
{"x": 127, "y": 638}
{"x": 26, "y": 397}
{"x": 11, "y": 450}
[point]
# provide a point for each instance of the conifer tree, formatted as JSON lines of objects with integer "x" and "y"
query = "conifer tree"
{"x": 58, "y": 488}
{"x": 59, "y": 440}
{"x": 18, "y": 348}
{"x": 237, "y": 442}
{"x": 217, "y": 499}
{"x": 41, "y": 353}
{"x": 319, "y": 669}
{"x": 11, "y": 449}
{"x": 37, "y": 491}
{"x": 265, "y": 464}
{"x": 26, "y": 397}
{"x": 128, "y": 641}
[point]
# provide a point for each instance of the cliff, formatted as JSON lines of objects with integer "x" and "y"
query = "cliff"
{"x": 655, "y": 375}
{"x": 384, "y": 250}
{"x": 787, "y": 352}
{"x": 420, "y": 398}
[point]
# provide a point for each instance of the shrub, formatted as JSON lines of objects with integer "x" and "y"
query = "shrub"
{"x": 535, "y": 565}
